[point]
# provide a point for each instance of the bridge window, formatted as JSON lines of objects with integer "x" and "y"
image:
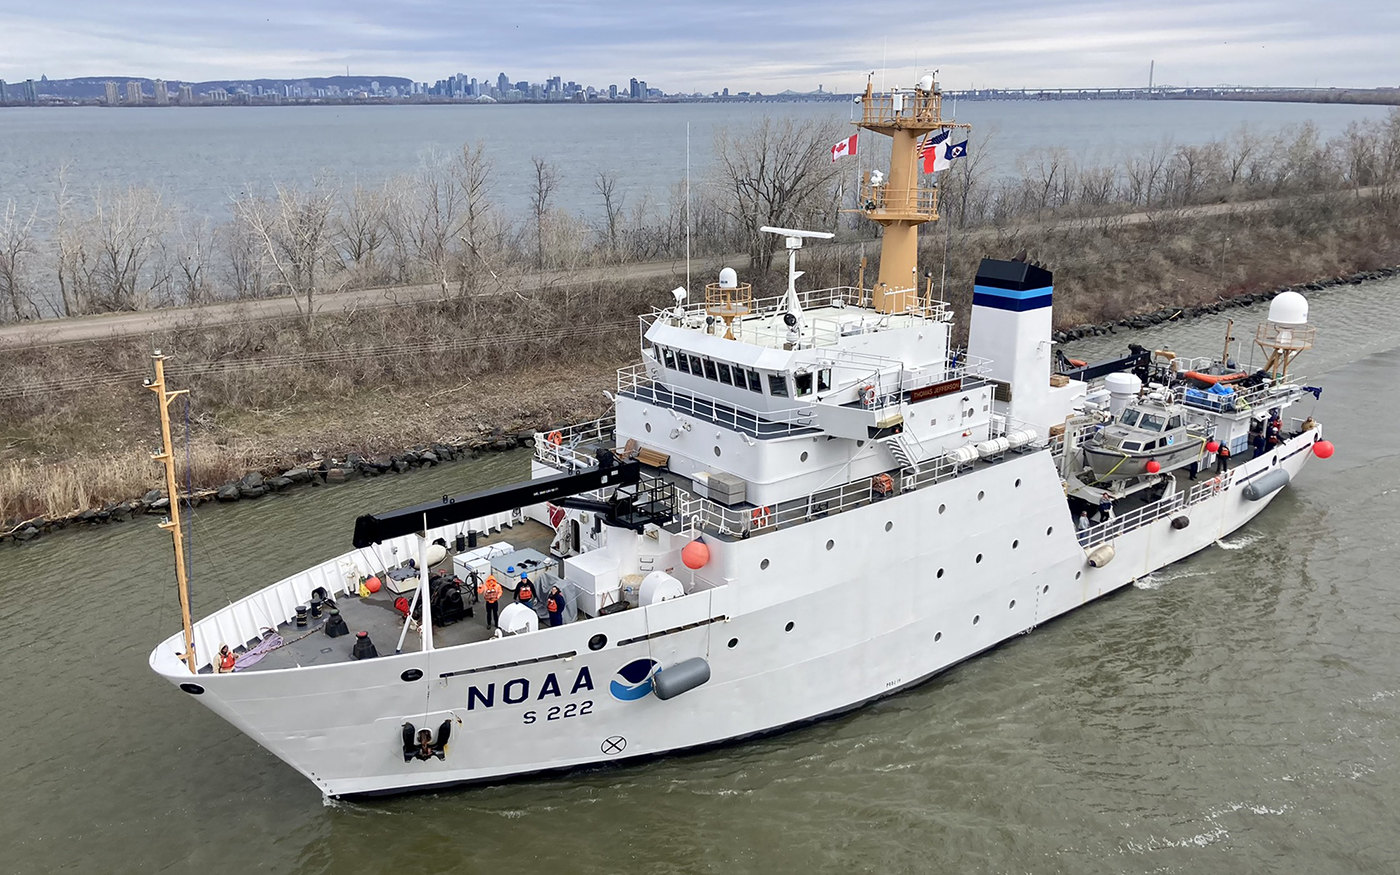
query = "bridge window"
{"x": 803, "y": 381}
{"x": 710, "y": 370}
{"x": 1151, "y": 422}
{"x": 824, "y": 380}
{"x": 695, "y": 366}
{"x": 1174, "y": 422}
{"x": 682, "y": 363}
{"x": 777, "y": 385}
{"x": 1130, "y": 417}
{"x": 724, "y": 376}
{"x": 669, "y": 357}
{"x": 755, "y": 382}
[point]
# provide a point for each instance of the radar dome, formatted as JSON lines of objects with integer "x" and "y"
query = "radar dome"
{"x": 1289, "y": 308}
{"x": 926, "y": 83}
{"x": 728, "y": 279}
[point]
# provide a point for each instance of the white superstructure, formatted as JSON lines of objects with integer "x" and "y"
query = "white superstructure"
{"x": 803, "y": 503}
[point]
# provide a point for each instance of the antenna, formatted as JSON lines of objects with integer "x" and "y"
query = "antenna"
{"x": 687, "y": 206}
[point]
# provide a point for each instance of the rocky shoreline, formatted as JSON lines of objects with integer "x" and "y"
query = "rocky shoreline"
{"x": 319, "y": 472}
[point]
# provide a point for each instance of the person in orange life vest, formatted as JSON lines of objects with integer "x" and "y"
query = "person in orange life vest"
{"x": 525, "y": 592}
{"x": 491, "y": 594}
{"x": 226, "y": 659}
{"x": 1222, "y": 458}
{"x": 555, "y": 605}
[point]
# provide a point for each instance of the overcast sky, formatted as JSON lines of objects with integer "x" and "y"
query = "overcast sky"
{"x": 709, "y": 44}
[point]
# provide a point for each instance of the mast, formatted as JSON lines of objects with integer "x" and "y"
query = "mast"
{"x": 172, "y": 523}
{"x": 900, "y": 203}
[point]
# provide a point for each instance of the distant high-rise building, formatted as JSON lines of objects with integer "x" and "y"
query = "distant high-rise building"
{"x": 4, "y": 92}
{"x": 133, "y": 93}
{"x": 642, "y": 89}
{"x": 475, "y": 88}
{"x": 633, "y": 91}
{"x": 186, "y": 95}
{"x": 162, "y": 96}
{"x": 612, "y": 92}
{"x": 31, "y": 94}
{"x": 502, "y": 85}
{"x": 374, "y": 87}
{"x": 726, "y": 92}
{"x": 109, "y": 91}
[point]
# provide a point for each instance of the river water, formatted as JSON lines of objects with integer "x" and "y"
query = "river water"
{"x": 201, "y": 158}
{"x": 1236, "y": 712}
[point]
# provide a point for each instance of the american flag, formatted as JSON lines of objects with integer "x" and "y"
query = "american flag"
{"x": 932, "y": 140}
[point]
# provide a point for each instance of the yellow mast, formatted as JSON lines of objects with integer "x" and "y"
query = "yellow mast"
{"x": 900, "y": 203}
{"x": 172, "y": 524}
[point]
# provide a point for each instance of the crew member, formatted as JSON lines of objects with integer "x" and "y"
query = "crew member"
{"x": 555, "y": 605}
{"x": 226, "y": 659}
{"x": 1083, "y": 526}
{"x": 1222, "y": 458}
{"x": 525, "y": 592}
{"x": 1105, "y": 507}
{"x": 491, "y": 594}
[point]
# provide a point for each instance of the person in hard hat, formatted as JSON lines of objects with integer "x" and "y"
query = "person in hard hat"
{"x": 525, "y": 592}
{"x": 490, "y": 590}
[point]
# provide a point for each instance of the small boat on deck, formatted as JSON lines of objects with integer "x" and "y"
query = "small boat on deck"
{"x": 1147, "y": 437}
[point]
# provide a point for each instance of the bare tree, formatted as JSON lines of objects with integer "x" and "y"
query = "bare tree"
{"x": 189, "y": 260}
{"x": 293, "y": 228}
{"x": 777, "y": 172}
{"x": 605, "y": 183}
{"x": 127, "y": 228}
{"x": 360, "y": 230}
{"x": 546, "y": 181}
{"x": 432, "y": 212}
{"x": 16, "y": 242}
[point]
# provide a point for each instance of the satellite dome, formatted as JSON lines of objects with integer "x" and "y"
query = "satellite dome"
{"x": 926, "y": 83}
{"x": 1289, "y": 308}
{"x": 728, "y": 279}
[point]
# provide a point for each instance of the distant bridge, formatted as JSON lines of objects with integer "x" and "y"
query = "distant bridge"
{"x": 1385, "y": 96}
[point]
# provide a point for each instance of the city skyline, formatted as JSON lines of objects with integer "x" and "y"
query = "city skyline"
{"x": 1003, "y": 43}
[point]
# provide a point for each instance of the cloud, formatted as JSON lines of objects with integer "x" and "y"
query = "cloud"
{"x": 741, "y": 45}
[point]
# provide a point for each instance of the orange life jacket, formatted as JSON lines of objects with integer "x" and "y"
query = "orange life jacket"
{"x": 552, "y": 605}
{"x": 491, "y": 591}
{"x": 226, "y": 661}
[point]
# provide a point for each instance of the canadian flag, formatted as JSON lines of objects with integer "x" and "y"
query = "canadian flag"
{"x": 844, "y": 148}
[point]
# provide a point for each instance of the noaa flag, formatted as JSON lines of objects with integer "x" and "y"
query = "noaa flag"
{"x": 946, "y": 156}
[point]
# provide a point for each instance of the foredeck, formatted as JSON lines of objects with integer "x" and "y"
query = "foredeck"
{"x": 309, "y": 646}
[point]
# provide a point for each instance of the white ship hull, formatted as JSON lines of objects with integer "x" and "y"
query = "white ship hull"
{"x": 905, "y": 591}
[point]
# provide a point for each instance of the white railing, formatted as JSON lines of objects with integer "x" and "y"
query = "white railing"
{"x": 635, "y": 380}
{"x": 571, "y": 447}
{"x": 1151, "y": 513}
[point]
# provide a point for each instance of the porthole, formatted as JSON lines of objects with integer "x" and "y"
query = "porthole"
{"x": 1275, "y": 460}
{"x": 1012, "y": 605}
{"x": 977, "y": 619}
{"x": 940, "y": 574}
{"x": 1049, "y": 531}
{"x": 716, "y": 450}
{"x": 1078, "y": 574}
{"x": 788, "y": 627}
{"x": 942, "y": 507}
{"x": 733, "y": 643}
{"x": 979, "y": 558}
{"x": 803, "y": 457}
{"x": 412, "y": 674}
{"x": 597, "y": 642}
{"x": 1015, "y": 544}
{"x": 1047, "y": 588}
{"x": 937, "y": 636}
{"x": 1018, "y": 482}
{"x": 192, "y": 689}
{"x": 830, "y": 544}
{"x": 888, "y": 525}
{"x": 648, "y": 428}
{"x": 763, "y": 566}
{"x": 981, "y": 495}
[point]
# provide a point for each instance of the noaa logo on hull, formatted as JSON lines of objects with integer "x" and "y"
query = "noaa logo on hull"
{"x": 637, "y": 675}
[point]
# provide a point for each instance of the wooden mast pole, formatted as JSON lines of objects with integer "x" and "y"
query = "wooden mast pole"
{"x": 172, "y": 524}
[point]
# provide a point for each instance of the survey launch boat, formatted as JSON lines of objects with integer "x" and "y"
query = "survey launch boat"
{"x": 680, "y": 573}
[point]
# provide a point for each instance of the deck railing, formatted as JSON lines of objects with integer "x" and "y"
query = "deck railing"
{"x": 1117, "y": 526}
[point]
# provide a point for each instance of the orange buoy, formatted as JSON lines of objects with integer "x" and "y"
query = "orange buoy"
{"x": 372, "y": 584}
{"x": 695, "y": 555}
{"x": 1153, "y": 466}
{"x": 1323, "y": 449}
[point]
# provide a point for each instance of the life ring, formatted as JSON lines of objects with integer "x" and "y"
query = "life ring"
{"x": 761, "y": 517}
{"x": 555, "y": 438}
{"x": 867, "y": 396}
{"x": 1215, "y": 484}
